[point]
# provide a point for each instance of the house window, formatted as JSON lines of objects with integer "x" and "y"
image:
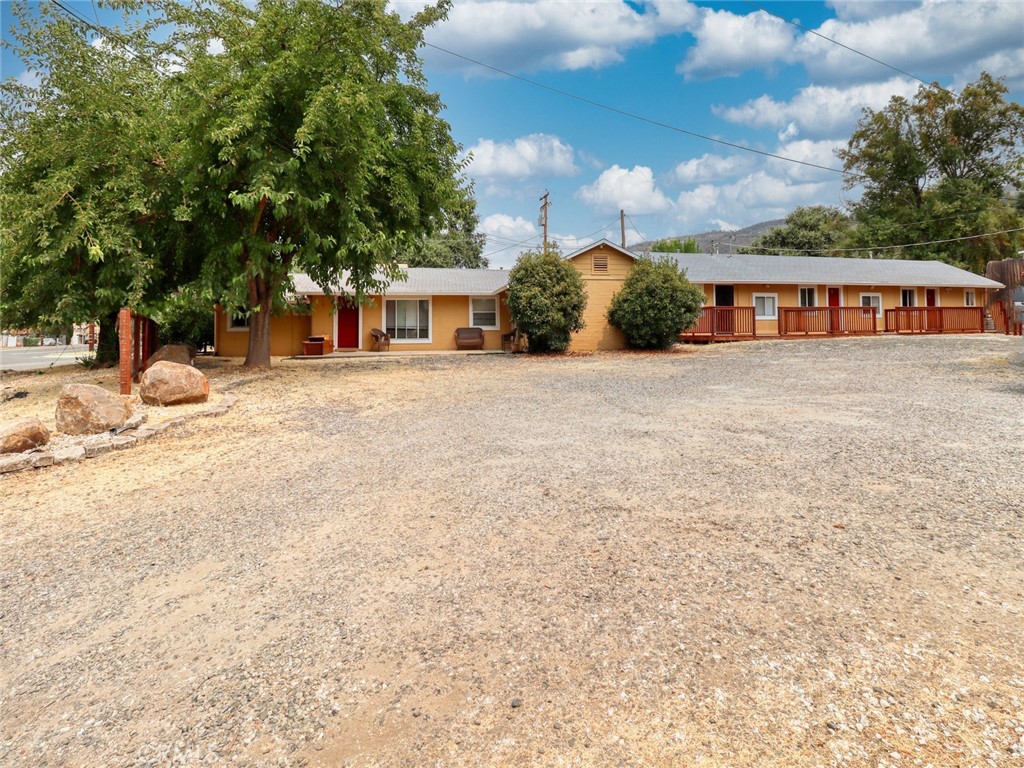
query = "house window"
{"x": 483, "y": 312}
{"x": 238, "y": 322}
{"x": 908, "y": 297}
{"x": 969, "y": 298}
{"x": 873, "y": 300}
{"x": 766, "y": 306}
{"x": 407, "y": 319}
{"x": 809, "y": 297}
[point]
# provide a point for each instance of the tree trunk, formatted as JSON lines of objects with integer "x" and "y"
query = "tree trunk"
{"x": 258, "y": 355}
{"x": 107, "y": 348}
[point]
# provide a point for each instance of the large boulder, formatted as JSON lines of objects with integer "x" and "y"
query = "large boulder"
{"x": 23, "y": 435}
{"x": 173, "y": 353}
{"x": 172, "y": 383}
{"x": 85, "y": 409}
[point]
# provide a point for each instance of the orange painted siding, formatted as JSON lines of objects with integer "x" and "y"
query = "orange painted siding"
{"x": 446, "y": 314}
{"x": 287, "y": 332}
{"x": 603, "y": 270}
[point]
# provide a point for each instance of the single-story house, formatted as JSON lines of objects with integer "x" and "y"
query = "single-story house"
{"x": 747, "y": 295}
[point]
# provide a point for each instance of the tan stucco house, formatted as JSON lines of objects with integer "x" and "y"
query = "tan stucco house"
{"x": 747, "y": 295}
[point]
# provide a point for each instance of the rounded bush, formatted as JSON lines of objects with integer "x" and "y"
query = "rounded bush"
{"x": 656, "y": 304}
{"x": 546, "y": 299}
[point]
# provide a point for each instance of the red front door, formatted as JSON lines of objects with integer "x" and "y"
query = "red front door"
{"x": 348, "y": 328}
{"x": 833, "y": 297}
{"x": 929, "y": 297}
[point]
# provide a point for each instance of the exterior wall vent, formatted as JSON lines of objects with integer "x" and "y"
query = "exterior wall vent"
{"x": 599, "y": 265}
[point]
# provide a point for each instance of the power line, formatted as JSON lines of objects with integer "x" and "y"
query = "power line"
{"x": 635, "y": 227}
{"x": 841, "y": 45}
{"x": 863, "y": 248}
{"x": 641, "y": 118}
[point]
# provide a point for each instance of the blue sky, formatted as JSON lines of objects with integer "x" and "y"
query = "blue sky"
{"x": 727, "y": 70}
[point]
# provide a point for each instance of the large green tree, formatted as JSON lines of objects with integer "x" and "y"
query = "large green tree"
{"x": 83, "y": 174}
{"x": 812, "y": 231}
{"x": 935, "y": 168}
{"x": 457, "y": 245}
{"x": 309, "y": 141}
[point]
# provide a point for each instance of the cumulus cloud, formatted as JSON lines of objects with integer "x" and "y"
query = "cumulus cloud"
{"x": 504, "y": 226}
{"x": 1007, "y": 64}
{"x": 632, "y": 190}
{"x": 730, "y": 44}
{"x": 550, "y": 34}
{"x": 869, "y": 9}
{"x": 817, "y": 110}
{"x": 917, "y": 39}
{"x": 710, "y": 167}
{"x": 756, "y": 197}
{"x": 534, "y": 155}
{"x": 820, "y": 153}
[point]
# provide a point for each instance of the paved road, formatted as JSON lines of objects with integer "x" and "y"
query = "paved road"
{"x": 33, "y": 358}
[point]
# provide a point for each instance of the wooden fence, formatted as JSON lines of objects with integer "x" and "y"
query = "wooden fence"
{"x": 831, "y": 321}
{"x": 722, "y": 323}
{"x": 935, "y": 320}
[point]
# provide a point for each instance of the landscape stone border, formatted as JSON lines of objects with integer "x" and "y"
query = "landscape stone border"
{"x": 106, "y": 443}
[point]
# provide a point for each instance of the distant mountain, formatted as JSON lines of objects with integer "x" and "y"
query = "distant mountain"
{"x": 726, "y": 242}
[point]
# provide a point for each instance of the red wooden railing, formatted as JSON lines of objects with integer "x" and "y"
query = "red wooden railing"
{"x": 722, "y": 322}
{"x": 935, "y": 320}
{"x": 832, "y": 321}
{"x": 1005, "y": 320}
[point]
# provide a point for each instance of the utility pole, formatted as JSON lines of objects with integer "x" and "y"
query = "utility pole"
{"x": 544, "y": 205}
{"x": 622, "y": 226}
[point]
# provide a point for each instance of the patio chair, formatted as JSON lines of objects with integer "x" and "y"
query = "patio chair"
{"x": 381, "y": 341}
{"x": 508, "y": 340}
{"x": 469, "y": 338}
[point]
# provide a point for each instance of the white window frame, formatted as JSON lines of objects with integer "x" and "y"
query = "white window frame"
{"x": 497, "y": 313}
{"x": 970, "y": 297}
{"x": 430, "y": 318}
{"x": 774, "y": 297}
{"x": 231, "y": 326}
{"x": 913, "y": 295}
{"x": 814, "y": 292}
{"x": 878, "y": 309}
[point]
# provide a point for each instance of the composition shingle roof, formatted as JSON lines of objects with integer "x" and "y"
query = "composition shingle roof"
{"x": 424, "y": 281}
{"x": 825, "y": 270}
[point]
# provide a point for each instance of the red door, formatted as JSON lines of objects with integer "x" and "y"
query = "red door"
{"x": 929, "y": 297}
{"x": 833, "y": 297}
{"x": 834, "y": 325}
{"x": 348, "y": 328}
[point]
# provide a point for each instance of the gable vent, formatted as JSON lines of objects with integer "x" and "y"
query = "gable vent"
{"x": 600, "y": 263}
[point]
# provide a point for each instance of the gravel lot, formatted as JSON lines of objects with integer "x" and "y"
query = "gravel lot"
{"x": 769, "y": 553}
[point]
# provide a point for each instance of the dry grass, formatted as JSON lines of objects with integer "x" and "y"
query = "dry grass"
{"x": 762, "y": 554}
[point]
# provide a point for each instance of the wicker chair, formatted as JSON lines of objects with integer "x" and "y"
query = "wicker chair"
{"x": 381, "y": 341}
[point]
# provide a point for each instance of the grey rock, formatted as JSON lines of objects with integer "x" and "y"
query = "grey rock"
{"x": 85, "y": 409}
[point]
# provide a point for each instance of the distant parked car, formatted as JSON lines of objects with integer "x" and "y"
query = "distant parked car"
{"x": 49, "y": 341}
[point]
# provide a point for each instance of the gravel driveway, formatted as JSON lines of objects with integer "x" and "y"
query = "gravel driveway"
{"x": 768, "y": 553}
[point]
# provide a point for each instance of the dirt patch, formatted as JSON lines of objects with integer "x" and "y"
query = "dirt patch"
{"x": 755, "y": 554}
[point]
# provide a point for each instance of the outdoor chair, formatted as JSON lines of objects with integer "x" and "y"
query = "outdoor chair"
{"x": 469, "y": 338}
{"x": 381, "y": 341}
{"x": 508, "y": 340}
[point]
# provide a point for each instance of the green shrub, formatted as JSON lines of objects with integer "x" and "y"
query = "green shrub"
{"x": 186, "y": 319}
{"x": 546, "y": 298}
{"x": 655, "y": 304}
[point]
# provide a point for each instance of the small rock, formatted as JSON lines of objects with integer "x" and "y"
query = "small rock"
{"x": 415, "y": 713}
{"x": 15, "y": 462}
{"x": 517, "y": 703}
{"x": 73, "y": 453}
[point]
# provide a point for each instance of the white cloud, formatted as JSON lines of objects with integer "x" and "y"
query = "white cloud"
{"x": 504, "y": 226}
{"x": 817, "y": 110}
{"x": 729, "y": 44}
{"x": 869, "y": 9}
{"x": 710, "y": 167}
{"x": 550, "y": 34}
{"x": 1006, "y": 64}
{"x": 631, "y": 190}
{"x": 534, "y": 155}
{"x": 817, "y": 152}
{"x": 934, "y": 34}
{"x": 756, "y": 197}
